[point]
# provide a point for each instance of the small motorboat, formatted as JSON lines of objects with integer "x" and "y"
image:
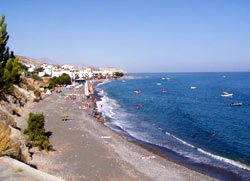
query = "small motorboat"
{"x": 193, "y": 87}
{"x": 225, "y": 94}
{"x": 236, "y": 104}
{"x": 158, "y": 84}
{"x": 137, "y": 92}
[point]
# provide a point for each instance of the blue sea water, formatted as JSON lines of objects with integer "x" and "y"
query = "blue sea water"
{"x": 180, "y": 122}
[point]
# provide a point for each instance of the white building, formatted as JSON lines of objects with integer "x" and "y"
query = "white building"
{"x": 68, "y": 67}
{"x": 41, "y": 74}
{"x": 48, "y": 69}
{"x": 31, "y": 67}
{"x": 57, "y": 73}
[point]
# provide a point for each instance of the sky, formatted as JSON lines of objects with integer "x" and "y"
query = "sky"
{"x": 136, "y": 35}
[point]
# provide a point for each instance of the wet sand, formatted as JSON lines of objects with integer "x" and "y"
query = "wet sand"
{"x": 88, "y": 150}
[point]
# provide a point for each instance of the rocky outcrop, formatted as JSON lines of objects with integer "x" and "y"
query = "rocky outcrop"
{"x": 21, "y": 140}
{"x": 11, "y": 169}
{"x": 6, "y": 118}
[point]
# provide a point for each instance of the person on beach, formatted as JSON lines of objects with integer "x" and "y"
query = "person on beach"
{"x": 88, "y": 104}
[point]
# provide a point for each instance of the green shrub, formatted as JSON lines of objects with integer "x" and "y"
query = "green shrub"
{"x": 30, "y": 87}
{"x": 118, "y": 74}
{"x": 24, "y": 81}
{"x": 46, "y": 75}
{"x": 36, "y": 100}
{"x": 36, "y": 77}
{"x": 37, "y": 93}
{"x": 36, "y": 132}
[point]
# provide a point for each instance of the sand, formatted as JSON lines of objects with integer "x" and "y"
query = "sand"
{"x": 88, "y": 150}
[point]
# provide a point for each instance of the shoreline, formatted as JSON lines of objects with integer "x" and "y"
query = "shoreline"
{"x": 109, "y": 155}
{"x": 135, "y": 141}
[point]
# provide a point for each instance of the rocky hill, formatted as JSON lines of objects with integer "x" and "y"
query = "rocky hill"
{"x": 36, "y": 62}
{"x": 27, "y": 60}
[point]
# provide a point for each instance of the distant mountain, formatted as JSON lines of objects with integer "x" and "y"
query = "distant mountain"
{"x": 113, "y": 69}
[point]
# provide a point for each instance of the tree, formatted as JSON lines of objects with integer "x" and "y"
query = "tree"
{"x": 4, "y": 50}
{"x": 9, "y": 66}
{"x": 63, "y": 79}
{"x": 118, "y": 74}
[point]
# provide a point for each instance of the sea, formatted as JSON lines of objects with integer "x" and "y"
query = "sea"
{"x": 184, "y": 117}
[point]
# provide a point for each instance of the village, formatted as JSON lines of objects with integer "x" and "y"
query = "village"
{"x": 75, "y": 73}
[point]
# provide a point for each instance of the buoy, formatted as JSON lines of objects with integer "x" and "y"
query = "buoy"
{"x": 163, "y": 91}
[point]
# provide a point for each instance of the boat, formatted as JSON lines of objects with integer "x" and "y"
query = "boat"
{"x": 163, "y": 90}
{"x": 137, "y": 92}
{"x": 158, "y": 83}
{"x": 236, "y": 104}
{"x": 168, "y": 79}
{"x": 193, "y": 87}
{"x": 225, "y": 94}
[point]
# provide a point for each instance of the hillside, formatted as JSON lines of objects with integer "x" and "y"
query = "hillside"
{"x": 27, "y": 60}
{"x": 36, "y": 62}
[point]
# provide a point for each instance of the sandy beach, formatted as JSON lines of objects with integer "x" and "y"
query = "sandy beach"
{"x": 88, "y": 150}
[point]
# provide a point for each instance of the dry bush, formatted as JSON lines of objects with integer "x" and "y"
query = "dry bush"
{"x": 7, "y": 146}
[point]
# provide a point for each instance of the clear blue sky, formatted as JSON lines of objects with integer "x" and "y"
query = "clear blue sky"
{"x": 137, "y": 35}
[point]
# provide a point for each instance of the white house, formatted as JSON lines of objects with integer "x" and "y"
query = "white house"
{"x": 31, "y": 67}
{"x": 68, "y": 67}
{"x": 48, "y": 69}
{"x": 41, "y": 74}
{"x": 57, "y": 73}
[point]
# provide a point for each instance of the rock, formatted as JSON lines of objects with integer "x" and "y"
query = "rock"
{"x": 19, "y": 137}
{"x": 6, "y": 118}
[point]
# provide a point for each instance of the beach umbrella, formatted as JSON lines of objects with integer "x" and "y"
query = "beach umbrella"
{"x": 64, "y": 115}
